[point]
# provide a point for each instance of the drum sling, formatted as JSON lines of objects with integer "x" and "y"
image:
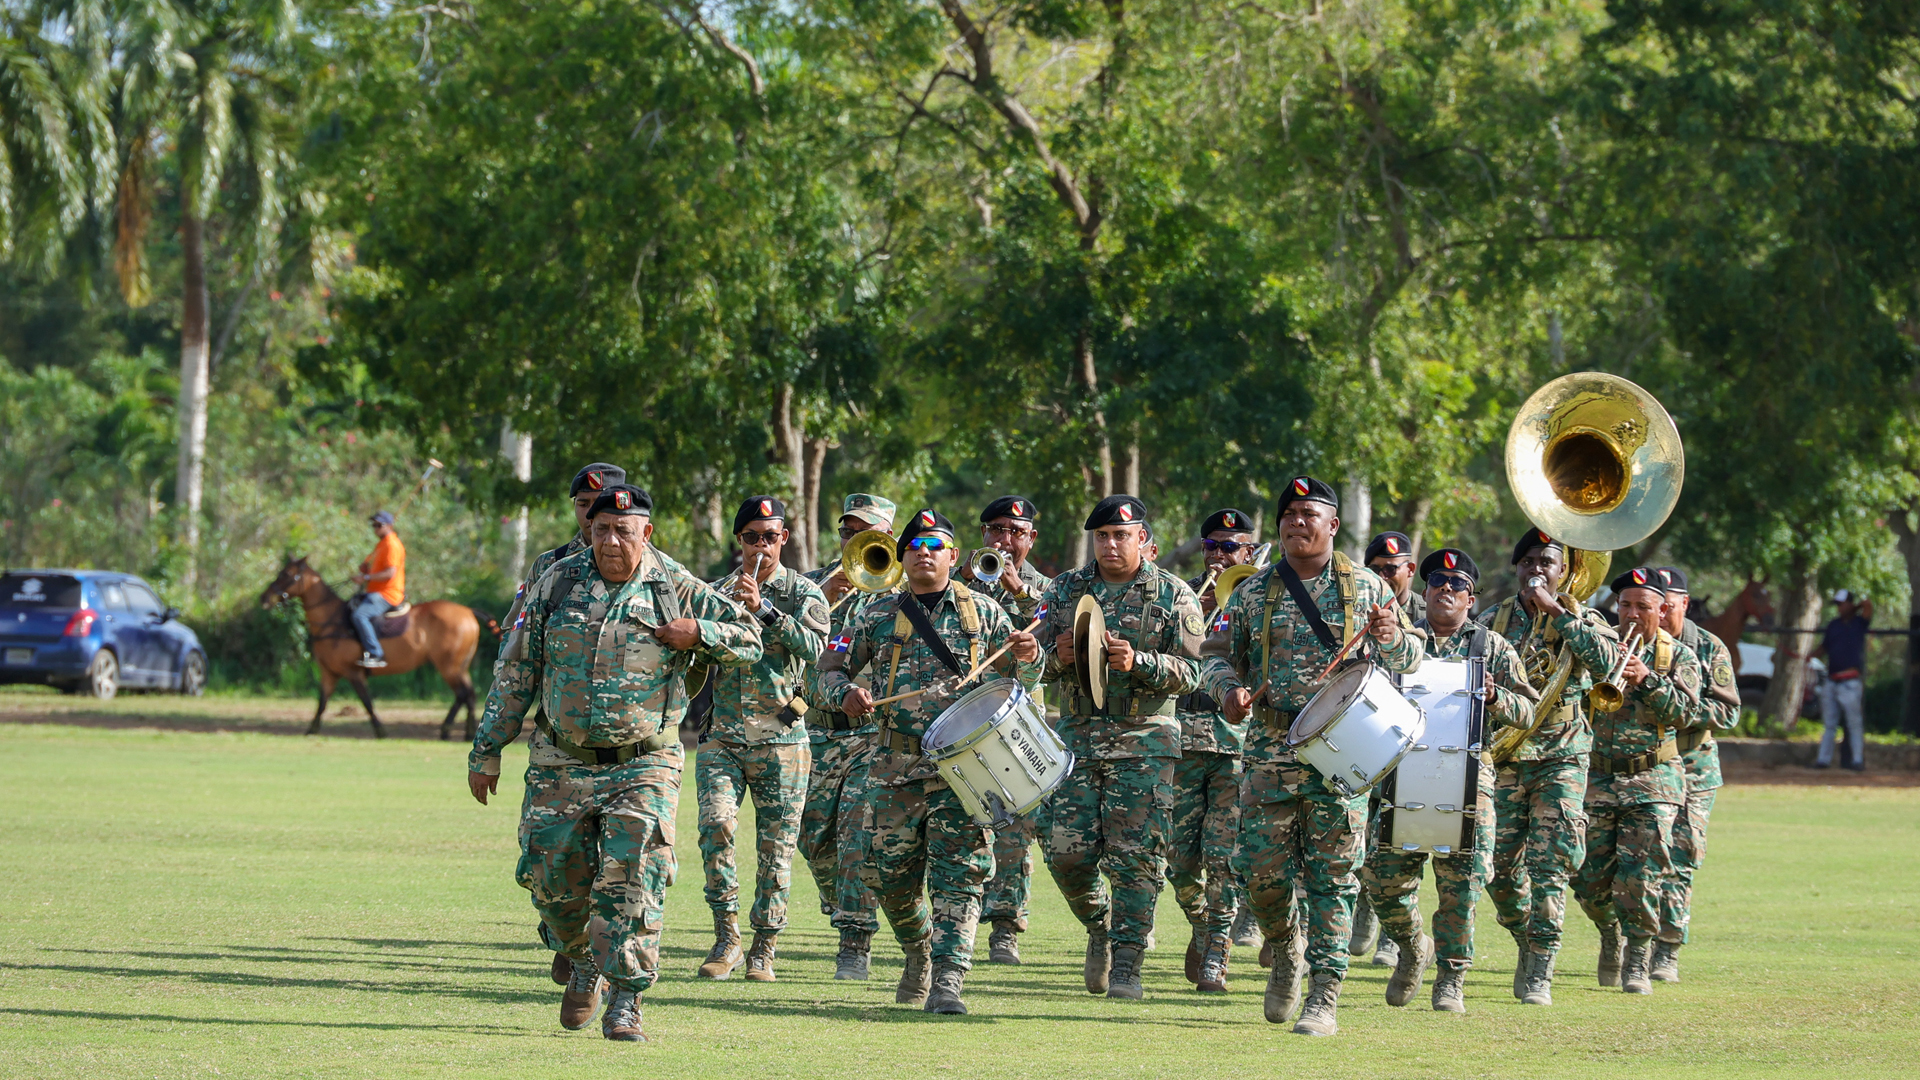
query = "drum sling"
{"x": 909, "y": 617}
{"x": 1343, "y": 581}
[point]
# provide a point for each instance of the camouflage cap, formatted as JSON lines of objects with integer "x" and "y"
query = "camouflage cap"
{"x": 872, "y": 509}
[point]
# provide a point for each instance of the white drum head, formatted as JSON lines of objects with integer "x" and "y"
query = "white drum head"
{"x": 977, "y": 710}
{"x": 1329, "y": 703}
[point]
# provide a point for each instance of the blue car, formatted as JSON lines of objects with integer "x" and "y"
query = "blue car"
{"x": 93, "y": 632}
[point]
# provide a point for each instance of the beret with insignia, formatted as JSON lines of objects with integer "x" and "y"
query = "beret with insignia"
{"x": 875, "y": 511}
{"x": 1228, "y": 520}
{"x": 1531, "y": 539}
{"x": 1307, "y": 489}
{"x": 622, "y": 500}
{"x": 1640, "y": 577}
{"x": 759, "y": 508}
{"x": 1388, "y": 545}
{"x": 1450, "y": 559}
{"x": 923, "y": 523}
{"x": 598, "y": 476}
{"x": 1117, "y": 510}
{"x": 1017, "y": 507}
{"x": 1674, "y": 578}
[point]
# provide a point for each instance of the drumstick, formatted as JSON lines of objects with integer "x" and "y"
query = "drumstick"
{"x": 964, "y": 679}
{"x": 1339, "y": 656}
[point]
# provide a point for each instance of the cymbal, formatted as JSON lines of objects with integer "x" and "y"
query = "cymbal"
{"x": 1090, "y": 650}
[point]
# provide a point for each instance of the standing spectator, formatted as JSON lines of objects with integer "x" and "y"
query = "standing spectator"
{"x": 1844, "y": 646}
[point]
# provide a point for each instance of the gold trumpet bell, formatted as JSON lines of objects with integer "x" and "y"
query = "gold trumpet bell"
{"x": 1230, "y": 579}
{"x": 1595, "y": 461}
{"x": 869, "y": 561}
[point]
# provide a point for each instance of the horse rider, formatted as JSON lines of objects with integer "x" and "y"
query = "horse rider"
{"x": 383, "y": 583}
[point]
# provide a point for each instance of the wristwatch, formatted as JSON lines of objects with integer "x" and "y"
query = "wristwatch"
{"x": 766, "y": 613}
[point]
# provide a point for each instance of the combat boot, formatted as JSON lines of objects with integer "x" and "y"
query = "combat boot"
{"x": 760, "y": 957}
{"x": 855, "y": 956}
{"x": 1317, "y": 1015}
{"x": 1365, "y": 925}
{"x": 725, "y": 954}
{"x": 1450, "y": 987}
{"x": 1099, "y": 958}
{"x": 1405, "y": 980}
{"x": 1539, "y": 988}
{"x": 945, "y": 996}
{"x": 1611, "y": 943}
{"x": 622, "y": 1020}
{"x": 582, "y": 997}
{"x": 917, "y": 977}
{"x": 562, "y": 970}
{"x": 1524, "y": 950}
{"x": 1246, "y": 928}
{"x": 1003, "y": 945}
{"x": 1388, "y": 954}
{"x": 1266, "y": 952}
{"x": 1196, "y": 953}
{"x": 1125, "y": 981}
{"x": 1283, "y": 984}
{"x": 1213, "y": 966}
{"x": 1666, "y": 961}
{"x": 1635, "y": 967}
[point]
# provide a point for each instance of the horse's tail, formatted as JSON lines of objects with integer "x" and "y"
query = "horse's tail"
{"x": 486, "y": 620}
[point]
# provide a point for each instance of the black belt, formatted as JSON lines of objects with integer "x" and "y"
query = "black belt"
{"x": 1692, "y": 740}
{"x": 1197, "y": 702}
{"x": 1636, "y": 763}
{"x": 838, "y": 721}
{"x": 1081, "y": 705}
{"x": 605, "y": 755}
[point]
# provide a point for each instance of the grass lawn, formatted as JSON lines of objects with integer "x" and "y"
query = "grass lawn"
{"x": 247, "y": 904}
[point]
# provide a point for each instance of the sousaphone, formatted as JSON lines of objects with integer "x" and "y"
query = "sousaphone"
{"x": 1090, "y": 650}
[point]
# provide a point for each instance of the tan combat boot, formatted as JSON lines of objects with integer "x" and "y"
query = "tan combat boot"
{"x": 725, "y": 954}
{"x": 1213, "y": 966}
{"x": 1539, "y": 988}
{"x": 582, "y": 997}
{"x": 916, "y": 979}
{"x": 1522, "y": 950}
{"x": 1611, "y": 943}
{"x": 1410, "y": 968}
{"x": 1317, "y": 1015}
{"x": 1283, "y": 983}
{"x": 855, "y": 956}
{"x": 622, "y": 1020}
{"x": 944, "y": 998}
{"x": 1636, "y": 976}
{"x": 1666, "y": 961}
{"x": 1003, "y": 945}
{"x": 561, "y": 971}
{"x": 1125, "y": 980}
{"x": 1365, "y": 925}
{"x": 760, "y": 957}
{"x": 1246, "y": 928}
{"x": 1099, "y": 959}
{"x": 1450, "y": 987}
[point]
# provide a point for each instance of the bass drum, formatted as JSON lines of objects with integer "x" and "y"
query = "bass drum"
{"x": 1434, "y": 795}
{"x": 1356, "y": 729}
{"x": 995, "y": 750}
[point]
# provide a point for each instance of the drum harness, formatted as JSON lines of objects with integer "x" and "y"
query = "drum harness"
{"x": 1275, "y": 720}
{"x": 910, "y": 617}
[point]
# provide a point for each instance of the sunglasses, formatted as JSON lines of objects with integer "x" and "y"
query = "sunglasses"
{"x": 929, "y": 543}
{"x": 1230, "y": 547}
{"x": 1004, "y": 531}
{"x": 751, "y": 538}
{"x": 1456, "y": 582}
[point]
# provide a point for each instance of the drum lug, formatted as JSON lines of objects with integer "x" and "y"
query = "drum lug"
{"x": 1443, "y": 849}
{"x": 1446, "y": 808}
{"x": 1420, "y": 748}
{"x": 1448, "y": 749}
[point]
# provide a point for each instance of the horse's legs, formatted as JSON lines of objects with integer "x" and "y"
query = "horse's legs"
{"x": 328, "y": 680}
{"x": 446, "y": 726}
{"x": 366, "y": 698}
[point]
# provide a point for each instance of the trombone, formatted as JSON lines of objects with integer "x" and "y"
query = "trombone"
{"x": 869, "y": 562}
{"x": 1225, "y": 581}
{"x": 1610, "y": 692}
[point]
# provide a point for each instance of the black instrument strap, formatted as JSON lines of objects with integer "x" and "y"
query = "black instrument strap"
{"x": 916, "y": 614}
{"x": 1307, "y": 607}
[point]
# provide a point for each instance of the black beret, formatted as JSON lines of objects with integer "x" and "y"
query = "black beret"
{"x": 1531, "y": 539}
{"x": 1450, "y": 559}
{"x": 1674, "y": 578}
{"x": 922, "y": 522}
{"x": 758, "y": 508}
{"x": 622, "y": 500}
{"x": 598, "y": 476}
{"x": 1117, "y": 510}
{"x": 1307, "y": 489}
{"x": 1017, "y": 507}
{"x": 1228, "y": 520}
{"x": 1388, "y": 545}
{"x": 1640, "y": 577}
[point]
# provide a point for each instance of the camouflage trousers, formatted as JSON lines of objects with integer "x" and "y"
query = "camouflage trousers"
{"x": 832, "y": 837}
{"x": 1205, "y": 822}
{"x": 926, "y": 848}
{"x": 1392, "y": 881}
{"x": 1540, "y": 836}
{"x": 1689, "y": 848}
{"x": 1012, "y": 882}
{"x": 1110, "y": 817}
{"x": 596, "y": 852}
{"x": 775, "y": 776}
{"x": 1297, "y": 833}
{"x": 1626, "y": 865}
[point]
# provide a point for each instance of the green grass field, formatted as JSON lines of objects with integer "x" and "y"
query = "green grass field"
{"x": 185, "y": 904}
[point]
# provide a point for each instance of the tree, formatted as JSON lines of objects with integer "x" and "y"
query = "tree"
{"x": 54, "y": 143}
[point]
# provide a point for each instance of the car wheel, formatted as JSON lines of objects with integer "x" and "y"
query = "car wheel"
{"x": 103, "y": 676}
{"x": 193, "y": 675}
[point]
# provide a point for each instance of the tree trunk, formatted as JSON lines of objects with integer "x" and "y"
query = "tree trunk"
{"x": 1413, "y": 521}
{"x": 1102, "y": 441}
{"x": 517, "y": 448}
{"x": 816, "y": 462}
{"x": 1130, "y": 480}
{"x": 1800, "y": 612}
{"x": 1906, "y": 529}
{"x": 1356, "y": 517}
{"x": 192, "y": 407}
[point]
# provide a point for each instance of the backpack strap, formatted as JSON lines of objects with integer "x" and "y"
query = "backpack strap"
{"x": 1503, "y": 615}
{"x": 969, "y": 622}
{"x": 1343, "y": 580}
{"x": 1477, "y": 645}
{"x": 901, "y": 628}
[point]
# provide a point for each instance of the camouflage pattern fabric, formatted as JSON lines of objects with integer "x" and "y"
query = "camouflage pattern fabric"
{"x": 1019, "y": 608}
{"x": 926, "y": 848}
{"x": 1204, "y": 825}
{"x": 1567, "y": 735}
{"x": 1111, "y": 818}
{"x": 833, "y": 836}
{"x": 1719, "y": 710}
{"x": 775, "y": 774}
{"x": 1203, "y": 724}
{"x": 1011, "y": 885}
{"x": 541, "y": 564}
{"x": 748, "y": 699}
{"x": 1295, "y": 831}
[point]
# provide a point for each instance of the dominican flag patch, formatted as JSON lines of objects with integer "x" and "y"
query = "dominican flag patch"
{"x": 519, "y": 592}
{"x": 1039, "y": 613}
{"x": 1219, "y": 622}
{"x": 520, "y": 620}
{"x": 841, "y": 643}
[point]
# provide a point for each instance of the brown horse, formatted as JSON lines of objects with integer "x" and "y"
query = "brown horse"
{"x": 439, "y": 632}
{"x": 1752, "y": 605}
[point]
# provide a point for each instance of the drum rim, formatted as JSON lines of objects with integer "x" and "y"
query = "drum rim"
{"x": 1006, "y": 709}
{"x": 1365, "y": 670}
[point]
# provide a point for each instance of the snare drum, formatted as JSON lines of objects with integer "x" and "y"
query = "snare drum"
{"x": 995, "y": 750}
{"x": 1436, "y": 789}
{"x": 1356, "y": 729}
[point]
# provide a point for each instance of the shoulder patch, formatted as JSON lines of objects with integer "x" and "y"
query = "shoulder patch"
{"x": 1192, "y": 623}
{"x": 1723, "y": 674}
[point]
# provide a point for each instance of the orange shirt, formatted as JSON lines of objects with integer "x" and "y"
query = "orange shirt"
{"x": 388, "y": 554}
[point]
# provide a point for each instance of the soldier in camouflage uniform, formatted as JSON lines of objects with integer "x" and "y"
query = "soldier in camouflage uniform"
{"x": 1295, "y": 830}
{"x": 756, "y": 743}
{"x": 1389, "y": 555}
{"x": 1205, "y": 820}
{"x": 1540, "y": 825}
{"x": 831, "y": 836}
{"x": 1636, "y": 786}
{"x": 1392, "y": 878}
{"x": 1719, "y": 710}
{"x": 603, "y": 643}
{"x": 1110, "y": 816}
{"x": 1009, "y": 525}
{"x": 924, "y": 636}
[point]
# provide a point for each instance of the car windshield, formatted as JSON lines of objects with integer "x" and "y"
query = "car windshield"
{"x": 39, "y": 591}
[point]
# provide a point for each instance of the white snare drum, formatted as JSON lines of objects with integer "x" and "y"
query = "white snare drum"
{"x": 995, "y": 750}
{"x": 1356, "y": 729}
{"x": 1435, "y": 792}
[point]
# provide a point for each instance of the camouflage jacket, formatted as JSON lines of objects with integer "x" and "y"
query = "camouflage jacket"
{"x": 1019, "y": 608}
{"x": 541, "y": 563}
{"x": 1566, "y": 735}
{"x": 1719, "y": 708}
{"x": 1513, "y": 696}
{"x": 1203, "y": 723}
{"x": 584, "y": 650}
{"x": 1415, "y": 605}
{"x": 1665, "y": 700}
{"x": 868, "y": 644}
{"x": 824, "y": 724}
{"x": 748, "y": 699}
{"x": 1232, "y": 655}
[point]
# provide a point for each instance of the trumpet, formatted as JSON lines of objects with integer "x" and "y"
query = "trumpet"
{"x": 986, "y": 565}
{"x": 1610, "y": 693}
{"x": 869, "y": 562}
{"x": 759, "y": 557}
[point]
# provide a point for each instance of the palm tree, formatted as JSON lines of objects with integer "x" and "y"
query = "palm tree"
{"x": 55, "y": 142}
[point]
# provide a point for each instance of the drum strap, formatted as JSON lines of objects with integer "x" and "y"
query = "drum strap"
{"x": 909, "y": 617}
